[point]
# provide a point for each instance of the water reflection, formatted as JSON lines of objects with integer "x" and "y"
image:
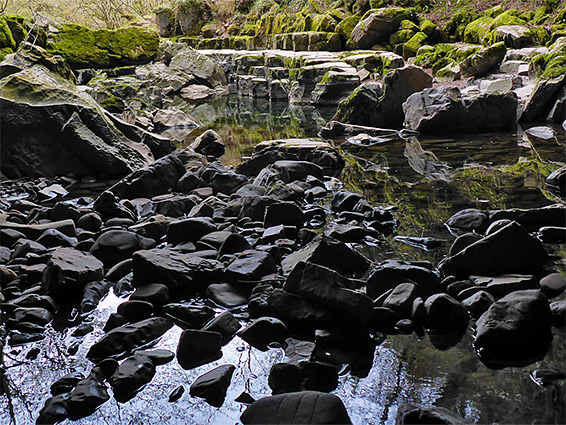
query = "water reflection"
{"x": 428, "y": 180}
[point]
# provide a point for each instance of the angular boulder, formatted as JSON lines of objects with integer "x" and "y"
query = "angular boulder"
{"x": 50, "y": 128}
{"x": 213, "y": 385}
{"x": 125, "y": 338}
{"x": 508, "y": 250}
{"x": 180, "y": 272}
{"x": 445, "y": 109}
{"x": 68, "y": 270}
{"x": 514, "y": 331}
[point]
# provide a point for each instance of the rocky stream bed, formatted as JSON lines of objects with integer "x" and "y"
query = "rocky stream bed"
{"x": 277, "y": 237}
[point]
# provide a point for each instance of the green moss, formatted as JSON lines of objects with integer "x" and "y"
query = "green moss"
{"x": 428, "y": 27}
{"x": 456, "y": 27}
{"x": 494, "y": 11}
{"x": 477, "y": 30}
{"x": 17, "y": 25}
{"x": 408, "y": 25}
{"x": 410, "y": 47}
{"x": 401, "y": 36}
{"x": 323, "y": 23}
{"x": 539, "y": 16}
{"x": 510, "y": 17}
{"x": 346, "y": 27}
{"x": 6, "y": 38}
{"x": 376, "y": 4}
{"x": 86, "y": 48}
{"x": 248, "y": 29}
{"x": 5, "y": 51}
{"x": 556, "y": 66}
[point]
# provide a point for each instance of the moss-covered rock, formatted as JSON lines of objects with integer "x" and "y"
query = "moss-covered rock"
{"x": 411, "y": 47}
{"x": 192, "y": 15}
{"x": 86, "y": 48}
{"x": 347, "y": 25}
{"x": 477, "y": 30}
{"x": 17, "y": 25}
{"x": 165, "y": 21}
{"x": 5, "y": 51}
{"x": 6, "y": 38}
{"x": 456, "y": 26}
{"x": 377, "y": 25}
{"x": 401, "y": 36}
{"x": 484, "y": 61}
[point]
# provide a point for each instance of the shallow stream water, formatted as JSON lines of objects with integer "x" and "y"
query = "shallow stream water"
{"x": 426, "y": 180}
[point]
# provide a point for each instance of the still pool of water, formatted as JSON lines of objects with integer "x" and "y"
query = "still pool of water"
{"x": 426, "y": 180}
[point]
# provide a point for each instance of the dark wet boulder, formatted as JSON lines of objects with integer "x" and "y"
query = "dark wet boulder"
{"x": 514, "y": 331}
{"x": 225, "y": 324}
{"x": 197, "y": 348}
{"x": 180, "y": 272}
{"x": 326, "y": 287}
{"x": 508, "y": 250}
{"x": 478, "y": 303}
{"x": 391, "y": 273}
{"x": 251, "y": 206}
{"x": 439, "y": 308}
{"x": 445, "y": 109}
{"x": 408, "y": 414}
{"x": 188, "y": 316}
{"x": 54, "y": 410}
{"x": 90, "y": 221}
{"x": 135, "y": 310}
{"x": 286, "y": 213}
{"x": 155, "y": 179}
{"x": 209, "y": 143}
{"x": 502, "y": 285}
{"x": 52, "y": 238}
{"x": 66, "y": 383}
{"x": 401, "y": 299}
{"x": 469, "y": 220}
{"x": 305, "y": 407}
{"x": 89, "y": 393}
{"x": 331, "y": 253}
{"x": 131, "y": 376}
{"x": 251, "y": 265}
{"x": 154, "y": 293}
{"x": 109, "y": 207}
{"x": 263, "y": 331}
{"x": 228, "y": 295}
{"x": 462, "y": 242}
{"x": 125, "y": 338}
{"x": 345, "y": 201}
{"x": 69, "y": 270}
{"x": 159, "y": 357}
{"x": 34, "y": 231}
{"x": 213, "y": 385}
{"x": 189, "y": 229}
{"x": 534, "y": 218}
{"x": 268, "y": 152}
{"x": 36, "y": 315}
{"x": 234, "y": 243}
{"x": 50, "y": 128}
{"x": 304, "y": 376}
{"x": 295, "y": 311}
{"x": 553, "y": 285}
{"x": 114, "y": 246}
